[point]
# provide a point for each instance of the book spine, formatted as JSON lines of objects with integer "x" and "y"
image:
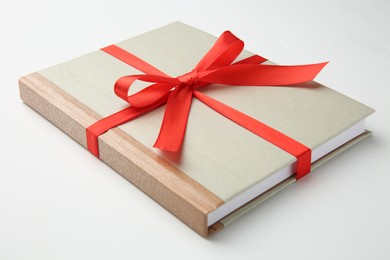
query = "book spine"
{"x": 182, "y": 196}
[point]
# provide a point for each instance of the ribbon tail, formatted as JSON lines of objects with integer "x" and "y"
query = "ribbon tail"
{"x": 175, "y": 120}
{"x": 261, "y": 75}
{"x": 293, "y": 147}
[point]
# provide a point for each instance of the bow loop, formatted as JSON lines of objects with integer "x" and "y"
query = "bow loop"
{"x": 224, "y": 51}
{"x": 148, "y": 95}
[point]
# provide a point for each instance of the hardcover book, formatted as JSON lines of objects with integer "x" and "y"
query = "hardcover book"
{"x": 222, "y": 170}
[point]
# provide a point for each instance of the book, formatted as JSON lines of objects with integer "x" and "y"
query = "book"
{"x": 222, "y": 170}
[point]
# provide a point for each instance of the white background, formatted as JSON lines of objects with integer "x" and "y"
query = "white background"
{"x": 59, "y": 202}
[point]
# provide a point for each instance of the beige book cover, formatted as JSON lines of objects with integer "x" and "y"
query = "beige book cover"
{"x": 221, "y": 166}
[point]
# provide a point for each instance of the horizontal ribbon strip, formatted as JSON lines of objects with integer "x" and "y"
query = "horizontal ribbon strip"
{"x": 177, "y": 92}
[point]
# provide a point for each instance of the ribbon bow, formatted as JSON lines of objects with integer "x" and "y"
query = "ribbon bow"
{"x": 177, "y": 92}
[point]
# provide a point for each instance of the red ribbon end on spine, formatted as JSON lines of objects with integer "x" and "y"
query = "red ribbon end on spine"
{"x": 92, "y": 142}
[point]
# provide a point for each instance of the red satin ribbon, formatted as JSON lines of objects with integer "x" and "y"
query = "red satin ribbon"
{"x": 177, "y": 93}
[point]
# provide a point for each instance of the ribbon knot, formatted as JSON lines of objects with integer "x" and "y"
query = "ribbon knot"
{"x": 217, "y": 66}
{"x": 189, "y": 79}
